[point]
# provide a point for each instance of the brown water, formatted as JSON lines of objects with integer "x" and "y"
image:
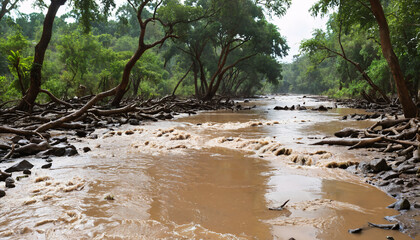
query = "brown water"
{"x": 208, "y": 176}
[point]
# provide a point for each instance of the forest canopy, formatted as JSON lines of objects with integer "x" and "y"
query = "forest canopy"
{"x": 141, "y": 48}
{"x": 205, "y": 48}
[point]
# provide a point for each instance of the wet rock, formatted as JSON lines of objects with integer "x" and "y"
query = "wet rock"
{"x": 93, "y": 136}
{"x": 87, "y": 149}
{"x": 416, "y": 205}
{"x": 321, "y": 108}
{"x": 390, "y": 175}
{"x": 4, "y": 175}
{"x": 278, "y": 108}
{"x": 48, "y": 159}
{"x": 402, "y": 204}
{"x": 133, "y": 122}
{"x": 48, "y": 165}
{"x": 81, "y": 133}
{"x": 379, "y": 165}
{"x": 27, "y": 172}
{"x": 36, "y": 140}
{"x": 10, "y": 182}
{"x": 70, "y": 151}
{"x": 246, "y": 100}
{"x": 23, "y": 165}
{"x": 2, "y": 193}
{"x": 357, "y": 230}
{"x": 58, "y": 150}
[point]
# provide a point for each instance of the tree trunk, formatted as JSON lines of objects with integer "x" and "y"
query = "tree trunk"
{"x": 410, "y": 110}
{"x": 28, "y": 100}
{"x": 180, "y": 80}
{"x": 121, "y": 88}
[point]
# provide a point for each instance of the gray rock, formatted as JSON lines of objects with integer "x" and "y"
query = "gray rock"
{"x": 379, "y": 165}
{"x": 71, "y": 151}
{"x": 2, "y": 193}
{"x": 36, "y": 140}
{"x": 23, "y": 165}
{"x": 133, "y": 122}
{"x": 402, "y": 204}
{"x": 390, "y": 175}
{"x": 48, "y": 165}
{"x": 48, "y": 160}
{"x": 10, "y": 182}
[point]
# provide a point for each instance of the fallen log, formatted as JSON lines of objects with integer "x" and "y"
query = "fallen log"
{"x": 9, "y": 154}
{"x": 388, "y": 123}
{"x": 395, "y": 226}
{"x": 17, "y": 131}
{"x": 366, "y": 142}
{"x": 33, "y": 148}
{"x": 338, "y": 141}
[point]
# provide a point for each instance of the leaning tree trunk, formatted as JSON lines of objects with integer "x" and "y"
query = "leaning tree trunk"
{"x": 121, "y": 88}
{"x": 410, "y": 110}
{"x": 28, "y": 100}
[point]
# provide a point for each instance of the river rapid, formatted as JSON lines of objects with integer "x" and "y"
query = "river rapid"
{"x": 208, "y": 176}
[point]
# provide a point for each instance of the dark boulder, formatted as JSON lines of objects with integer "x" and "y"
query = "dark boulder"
{"x": 23, "y": 165}
{"x": 70, "y": 151}
{"x": 81, "y": 133}
{"x": 10, "y": 182}
{"x": 133, "y": 121}
{"x": 2, "y": 193}
{"x": 27, "y": 172}
{"x": 402, "y": 204}
{"x": 87, "y": 149}
{"x": 48, "y": 165}
{"x": 379, "y": 165}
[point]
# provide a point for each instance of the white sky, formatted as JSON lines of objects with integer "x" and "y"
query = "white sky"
{"x": 298, "y": 24}
{"x": 295, "y": 26}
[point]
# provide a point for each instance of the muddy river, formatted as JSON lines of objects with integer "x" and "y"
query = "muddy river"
{"x": 207, "y": 176}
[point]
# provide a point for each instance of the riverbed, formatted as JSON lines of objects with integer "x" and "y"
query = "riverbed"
{"x": 213, "y": 175}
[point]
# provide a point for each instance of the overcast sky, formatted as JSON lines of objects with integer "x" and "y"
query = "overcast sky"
{"x": 296, "y": 25}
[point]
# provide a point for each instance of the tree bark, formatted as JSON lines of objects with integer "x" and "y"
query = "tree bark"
{"x": 410, "y": 110}
{"x": 121, "y": 88}
{"x": 27, "y": 102}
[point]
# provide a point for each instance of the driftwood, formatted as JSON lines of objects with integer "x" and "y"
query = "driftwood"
{"x": 395, "y": 226}
{"x": 396, "y": 135}
{"x": 281, "y": 207}
{"x": 9, "y": 154}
